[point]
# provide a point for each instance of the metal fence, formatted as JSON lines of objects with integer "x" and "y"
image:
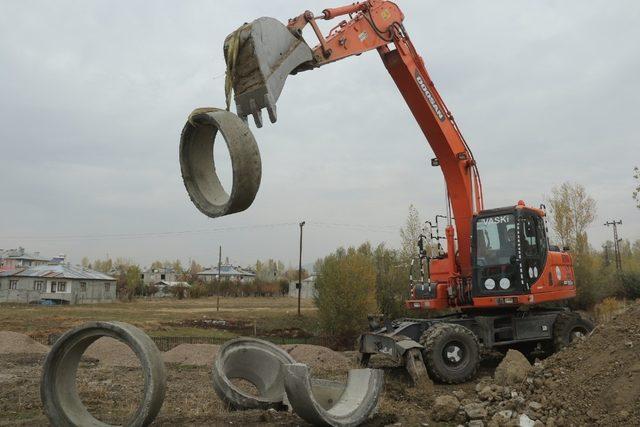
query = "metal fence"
{"x": 167, "y": 343}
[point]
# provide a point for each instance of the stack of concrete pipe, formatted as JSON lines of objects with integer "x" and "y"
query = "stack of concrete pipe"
{"x": 281, "y": 383}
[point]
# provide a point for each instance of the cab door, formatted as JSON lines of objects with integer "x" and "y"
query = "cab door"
{"x": 532, "y": 248}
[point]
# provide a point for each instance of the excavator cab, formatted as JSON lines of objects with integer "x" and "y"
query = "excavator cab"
{"x": 511, "y": 258}
{"x": 510, "y": 251}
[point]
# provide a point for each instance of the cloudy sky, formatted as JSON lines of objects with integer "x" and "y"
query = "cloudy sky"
{"x": 93, "y": 96}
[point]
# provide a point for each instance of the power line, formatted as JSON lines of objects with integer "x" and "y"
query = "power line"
{"x": 119, "y": 236}
{"x": 161, "y": 234}
{"x": 356, "y": 227}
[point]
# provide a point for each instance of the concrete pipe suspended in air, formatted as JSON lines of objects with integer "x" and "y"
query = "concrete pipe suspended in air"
{"x": 58, "y": 390}
{"x": 197, "y": 162}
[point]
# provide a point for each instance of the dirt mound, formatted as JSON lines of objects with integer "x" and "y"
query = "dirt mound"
{"x": 596, "y": 380}
{"x": 15, "y": 343}
{"x": 192, "y": 354}
{"x": 317, "y": 357}
{"x": 112, "y": 352}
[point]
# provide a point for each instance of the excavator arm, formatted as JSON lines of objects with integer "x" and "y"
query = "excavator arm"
{"x": 274, "y": 52}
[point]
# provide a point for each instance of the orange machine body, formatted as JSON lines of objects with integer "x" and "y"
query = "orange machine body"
{"x": 456, "y": 278}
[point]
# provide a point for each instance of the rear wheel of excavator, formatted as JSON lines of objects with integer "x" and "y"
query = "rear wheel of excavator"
{"x": 568, "y": 327}
{"x": 451, "y": 353}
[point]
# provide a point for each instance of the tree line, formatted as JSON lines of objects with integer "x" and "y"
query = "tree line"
{"x": 358, "y": 281}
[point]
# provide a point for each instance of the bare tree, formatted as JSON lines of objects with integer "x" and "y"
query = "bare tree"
{"x": 409, "y": 235}
{"x": 572, "y": 211}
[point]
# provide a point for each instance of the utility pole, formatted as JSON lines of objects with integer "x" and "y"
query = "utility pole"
{"x": 219, "y": 277}
{"x": 299, "y": 284}
{"x": 616, "y": 242}
{"x": 607, "y": 259}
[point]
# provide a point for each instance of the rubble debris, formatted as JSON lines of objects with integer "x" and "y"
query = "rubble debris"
{"x": 513, "y": 369}
{"x": 445, "y": 408}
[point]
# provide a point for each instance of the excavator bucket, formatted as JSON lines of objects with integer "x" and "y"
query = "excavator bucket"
{"x": 260, "y": 55}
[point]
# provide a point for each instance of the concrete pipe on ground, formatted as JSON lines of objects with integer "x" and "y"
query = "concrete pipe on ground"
{"x": 197, "y": 162}
{"x": 357, "y": 403}
{"x": 261, "y": 364}
{"x": 58, "y": 391}
{"x": 256, "y": 361}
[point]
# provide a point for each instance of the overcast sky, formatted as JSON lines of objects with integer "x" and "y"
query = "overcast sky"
{"x": 94, "y": 94}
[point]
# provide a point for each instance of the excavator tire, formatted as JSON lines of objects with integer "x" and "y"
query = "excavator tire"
{"x": 569, "y": 326}
{"x": 451, "y": 354}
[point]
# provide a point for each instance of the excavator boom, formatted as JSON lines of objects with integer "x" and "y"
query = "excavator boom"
{"x": 497, "y": 260}
{"x": 261, "y": 55}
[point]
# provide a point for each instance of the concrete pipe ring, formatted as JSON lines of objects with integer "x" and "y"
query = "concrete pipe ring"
{"x": 197, "y": 162}
{"x": 256, "y": 361}
{"x": 58, "y": 391}
{"x": 357, "y": 402}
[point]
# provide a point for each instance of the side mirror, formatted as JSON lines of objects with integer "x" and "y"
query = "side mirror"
{"x": 512, "y": 260}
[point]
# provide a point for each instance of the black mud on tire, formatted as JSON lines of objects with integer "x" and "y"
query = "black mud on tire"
{"x": 451, "y": 354}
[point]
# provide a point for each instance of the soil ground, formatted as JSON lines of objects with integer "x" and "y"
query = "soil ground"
{"x": 111, "y": 392}
{"x": 566, "y": 389}
{"x": 168, "y": 316}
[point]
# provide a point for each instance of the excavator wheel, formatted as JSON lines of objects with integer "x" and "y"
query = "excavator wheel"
{"x": 569, "y": 326}
{"x": 451, "y": 354}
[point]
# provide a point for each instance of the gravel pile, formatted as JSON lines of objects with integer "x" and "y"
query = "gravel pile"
{"x": 317, "y": 357}
{"x": 192, "y": 354}
{"x": 111, "y": 352}
{"x": 15, "y": 343}
{"x": 594, "y": 381}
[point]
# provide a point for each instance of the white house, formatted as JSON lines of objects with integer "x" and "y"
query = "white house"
{"x": 164, "y": 288}
{"x": 154, "y": 275}
{"x": 308, "y": 289}
{"x": 227, "y": 272}
{"x": 59, "y": 283}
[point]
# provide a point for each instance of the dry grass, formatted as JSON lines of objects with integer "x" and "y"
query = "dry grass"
{"x": 160, "y": 316}
{"x": 608, "y": 308}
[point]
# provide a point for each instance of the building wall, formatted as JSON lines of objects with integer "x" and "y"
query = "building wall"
{"x": 159, "y": 275}
{"x": 93, "y": 291}
{"x": 307, "y": 291}
{"x": 11, "y": 263}
{"x": 232, "y": 278}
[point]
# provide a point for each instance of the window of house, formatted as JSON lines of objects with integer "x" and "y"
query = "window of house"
{"x": 13, "y": 284}
{"x": 163, "y": 276}
{"x": 38, "y": 285}
{"x": 83, "y": 286}
{"x": 53, "y": 287}
{"x": 107, "y": 287}
{"x": 62, "y": 286}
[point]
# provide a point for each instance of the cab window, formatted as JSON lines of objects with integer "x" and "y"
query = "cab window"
{"x": 496, "y": 240}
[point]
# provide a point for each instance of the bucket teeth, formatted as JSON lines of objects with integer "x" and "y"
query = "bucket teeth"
{"x": 262, "y": 54}
{"x": 255, "y": 112}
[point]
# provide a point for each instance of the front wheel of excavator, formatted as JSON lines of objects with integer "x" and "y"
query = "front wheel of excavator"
{"x": 451, "y": 353}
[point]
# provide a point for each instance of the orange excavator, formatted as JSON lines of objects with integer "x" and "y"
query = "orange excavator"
{"x": 498, "y": 267}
